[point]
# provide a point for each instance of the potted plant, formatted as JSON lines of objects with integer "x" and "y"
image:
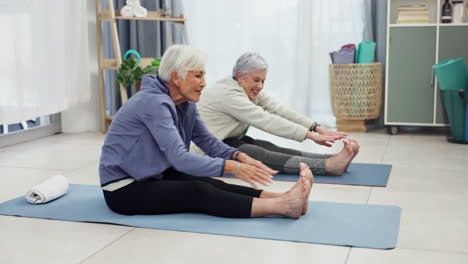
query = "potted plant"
{"x": 130, "y": 73}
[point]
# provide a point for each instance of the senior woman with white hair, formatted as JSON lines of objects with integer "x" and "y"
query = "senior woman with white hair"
{"x": 236, "y": 102}
{"x": 146, "y": 166}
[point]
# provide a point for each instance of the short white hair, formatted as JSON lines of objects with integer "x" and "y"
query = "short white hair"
{"x": 182, "y": 59}
{"x": 249, "y": 62}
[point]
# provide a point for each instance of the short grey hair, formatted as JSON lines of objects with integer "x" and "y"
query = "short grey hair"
{"x": 182, "y": 59}
{"x": 248, "y": 62}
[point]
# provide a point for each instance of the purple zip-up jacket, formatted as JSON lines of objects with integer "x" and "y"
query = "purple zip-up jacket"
{"x": 150, "y": 134}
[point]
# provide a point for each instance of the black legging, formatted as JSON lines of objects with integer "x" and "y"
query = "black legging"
{"x": 177, "y": 192}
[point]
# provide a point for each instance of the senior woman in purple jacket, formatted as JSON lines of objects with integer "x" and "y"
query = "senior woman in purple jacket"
{"x": 146, "y": 166}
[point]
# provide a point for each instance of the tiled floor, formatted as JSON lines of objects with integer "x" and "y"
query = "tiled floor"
{"x": 429, "y": 181}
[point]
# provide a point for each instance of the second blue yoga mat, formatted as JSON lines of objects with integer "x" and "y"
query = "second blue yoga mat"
{"x": 364, "y": 174}
{"x": 368, "y": 226}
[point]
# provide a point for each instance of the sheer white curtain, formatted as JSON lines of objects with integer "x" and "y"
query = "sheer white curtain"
{"x": 295, "y": 36}
{"x": 44, "y": 63}
{"x": 324, "y": 26}
{"x": 226, "y": 29}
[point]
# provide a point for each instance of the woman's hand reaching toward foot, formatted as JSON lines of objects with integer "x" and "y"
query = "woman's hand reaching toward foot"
{"x": 253, "y": 175}
{"x": 248, "y": 173}
{"x": 327, "y": 132}
{"x": 246, "y": 159}
{"x": 322, "y": 139}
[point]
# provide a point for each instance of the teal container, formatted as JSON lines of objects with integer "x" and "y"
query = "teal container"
{"x": 452, "y": 75}
{"x": 366, "y": 52}
{"x": 455, "y": 107}
{"x": 466, "y": 123}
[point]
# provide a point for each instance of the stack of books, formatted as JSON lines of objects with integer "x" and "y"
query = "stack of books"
{"x": 413, "y": 14}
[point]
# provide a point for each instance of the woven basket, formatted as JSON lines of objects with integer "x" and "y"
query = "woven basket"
{"x": 356, "y": 90}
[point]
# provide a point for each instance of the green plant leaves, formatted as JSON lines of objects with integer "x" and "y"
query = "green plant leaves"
{"x": 128, "y": 74}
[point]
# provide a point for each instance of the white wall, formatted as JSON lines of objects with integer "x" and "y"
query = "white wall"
{"x": 85, "y": 116}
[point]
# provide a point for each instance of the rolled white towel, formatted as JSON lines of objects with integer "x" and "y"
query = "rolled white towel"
{"x": 140, "y": 11}
{"x": 127, "y": 11}
{"x": 47, "y": 191}
{"x": 133, "y": 2}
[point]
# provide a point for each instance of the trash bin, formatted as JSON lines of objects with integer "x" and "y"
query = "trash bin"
{"x": 466, "y": 118}
{"x": 452, "y": 77}
{"x": 455, "y": 107}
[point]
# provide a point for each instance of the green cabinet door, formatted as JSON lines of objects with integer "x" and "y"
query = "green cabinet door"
{"x": 453, "y": 43}
{"x": 410, "y": 94}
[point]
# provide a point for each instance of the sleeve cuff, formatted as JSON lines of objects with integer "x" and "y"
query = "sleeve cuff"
{"x": 230, "y": 152}
{"x": 221, "y": 174}
{"x": 307, "y": 122}
{"x": 300, "y": 134}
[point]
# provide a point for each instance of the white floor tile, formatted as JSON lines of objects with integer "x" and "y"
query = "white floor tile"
{"x": 426, "y": 179}
{"x": 27, "y": 240}
{"x": 429, "y": 221}
{"x": 404, "y": 256}
{"x": 90, "y": 138}
{"x": 158, "y": 246}
{"x": 426, "y": 151}
{"x": 45, "y": 155}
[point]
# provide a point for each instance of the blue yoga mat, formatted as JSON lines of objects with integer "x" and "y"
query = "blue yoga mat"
{"x": 369, "y": 226}
{"x": 364, "y": 174}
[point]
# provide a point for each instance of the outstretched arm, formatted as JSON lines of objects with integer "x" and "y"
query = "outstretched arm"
{"x": 324, "y": 137}
{"x": 238, "y": 106}
{"x": 212, "y": 146}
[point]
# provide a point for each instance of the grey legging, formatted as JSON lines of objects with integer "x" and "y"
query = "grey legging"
{"x": 282, "y": 159}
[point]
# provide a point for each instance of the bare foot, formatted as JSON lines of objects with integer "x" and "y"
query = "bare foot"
{"x": 355, "y": 146}
{"x": 306, "y": 173}
{"x": 294, "y": 198}
{"x": 338, "y": 163}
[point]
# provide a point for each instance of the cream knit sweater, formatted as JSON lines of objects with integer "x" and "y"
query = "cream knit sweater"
{"x": 227, "y": 110}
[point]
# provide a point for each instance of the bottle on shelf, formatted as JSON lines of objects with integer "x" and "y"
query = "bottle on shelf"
{"x": 446, "y": 12}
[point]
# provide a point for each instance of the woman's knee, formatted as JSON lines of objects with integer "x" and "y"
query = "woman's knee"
{"x": 255, "y": 152}
{"x": 200, "y": 188}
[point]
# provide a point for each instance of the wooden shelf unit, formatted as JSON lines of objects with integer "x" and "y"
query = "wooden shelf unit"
{"x": 151, "y": 16}
{"x": 111, "y": 15}
{"x": 113, "y": 63}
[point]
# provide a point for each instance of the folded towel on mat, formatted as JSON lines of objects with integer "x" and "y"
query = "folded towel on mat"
{"x": 47, "y": 191}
